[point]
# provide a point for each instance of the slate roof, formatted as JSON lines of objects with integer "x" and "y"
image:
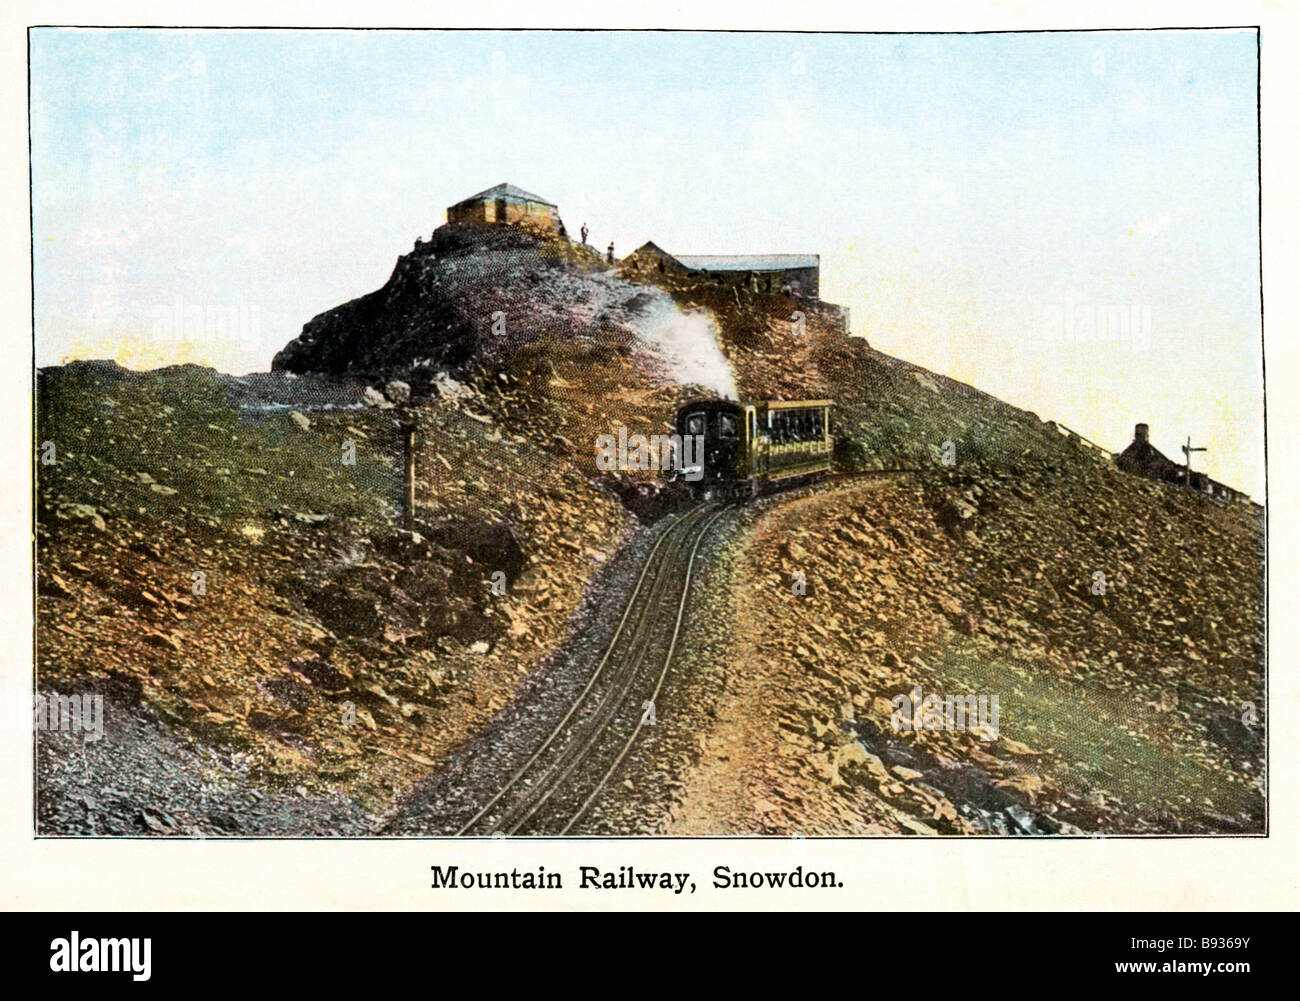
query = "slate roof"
{"x": 505, "y": 190}
{"x": 748, "y": 262}
{"x": 653, "y": 248}
{"x": 1146, "y": 456}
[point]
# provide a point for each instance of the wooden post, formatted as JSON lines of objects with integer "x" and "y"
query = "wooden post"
{"x": 408, "y": 471}
{"x": 1187, "y": 465}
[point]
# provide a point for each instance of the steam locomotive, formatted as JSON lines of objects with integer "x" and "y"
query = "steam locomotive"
{"x": 739, "y": 450}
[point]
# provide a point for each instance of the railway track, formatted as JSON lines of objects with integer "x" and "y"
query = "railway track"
{"x": 565, "y": 774}
{"x": 556, "y": 786}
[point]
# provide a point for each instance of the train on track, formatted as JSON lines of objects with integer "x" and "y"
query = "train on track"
{"x": 751, "y": 448}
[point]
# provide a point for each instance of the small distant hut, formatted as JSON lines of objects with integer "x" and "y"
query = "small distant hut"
{"x": 1145, "y": 459}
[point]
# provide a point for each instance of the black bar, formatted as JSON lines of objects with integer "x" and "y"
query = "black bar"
{"x": 900, "y": 951}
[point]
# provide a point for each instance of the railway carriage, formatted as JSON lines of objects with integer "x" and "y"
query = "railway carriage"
{"x": 751, "y": 447}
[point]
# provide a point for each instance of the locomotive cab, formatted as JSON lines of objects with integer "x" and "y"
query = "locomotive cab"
{"x": 712, "y": 443}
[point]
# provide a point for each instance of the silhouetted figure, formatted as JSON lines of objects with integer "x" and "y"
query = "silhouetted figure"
{"x": 584, "y": 234}
{"x": 611, "y": 253}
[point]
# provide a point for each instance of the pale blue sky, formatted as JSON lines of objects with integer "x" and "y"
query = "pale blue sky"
{"x": 977, "y": 200}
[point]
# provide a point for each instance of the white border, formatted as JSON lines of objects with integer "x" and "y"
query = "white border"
{"x": 894, "y": 874}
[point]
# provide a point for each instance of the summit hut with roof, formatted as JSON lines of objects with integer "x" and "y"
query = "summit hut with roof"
{"x": 797, "y": 274}
{"x": 506, "y": 204}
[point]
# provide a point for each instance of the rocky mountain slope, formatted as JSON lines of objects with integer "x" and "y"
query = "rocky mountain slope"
{"x": 205, "y": 550}
{"x": 331, "y": 654}
{"x": 473, "y": 297}
{"x": 1134, "y": 711}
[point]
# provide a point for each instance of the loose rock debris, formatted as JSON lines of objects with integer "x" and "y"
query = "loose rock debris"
{"x": 223, "y": 560}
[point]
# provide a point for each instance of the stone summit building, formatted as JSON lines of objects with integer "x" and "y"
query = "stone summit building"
{"x": 506, "y": 204}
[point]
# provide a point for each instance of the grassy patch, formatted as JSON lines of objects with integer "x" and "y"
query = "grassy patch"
{"x": 1108, "y": 746}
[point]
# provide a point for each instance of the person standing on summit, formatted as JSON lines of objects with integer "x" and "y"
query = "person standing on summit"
{"x": 584, "y": 234}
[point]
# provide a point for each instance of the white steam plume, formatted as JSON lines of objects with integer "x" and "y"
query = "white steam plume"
{"x": 688, "y": 344}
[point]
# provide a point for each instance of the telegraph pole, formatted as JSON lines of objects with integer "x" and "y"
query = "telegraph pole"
{"x": 1187, "y": 464}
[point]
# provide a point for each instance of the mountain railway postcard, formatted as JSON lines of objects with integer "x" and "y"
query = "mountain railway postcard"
{"x": 557, "y": 531}
{"x": 634, "y": 438}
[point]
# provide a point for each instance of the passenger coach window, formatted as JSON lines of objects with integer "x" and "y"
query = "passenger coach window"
{"x": 727, "y": 425}
{"x": 695, "y": 424}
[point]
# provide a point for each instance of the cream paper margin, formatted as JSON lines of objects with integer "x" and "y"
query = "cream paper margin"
{"x": 887, "y": 874}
